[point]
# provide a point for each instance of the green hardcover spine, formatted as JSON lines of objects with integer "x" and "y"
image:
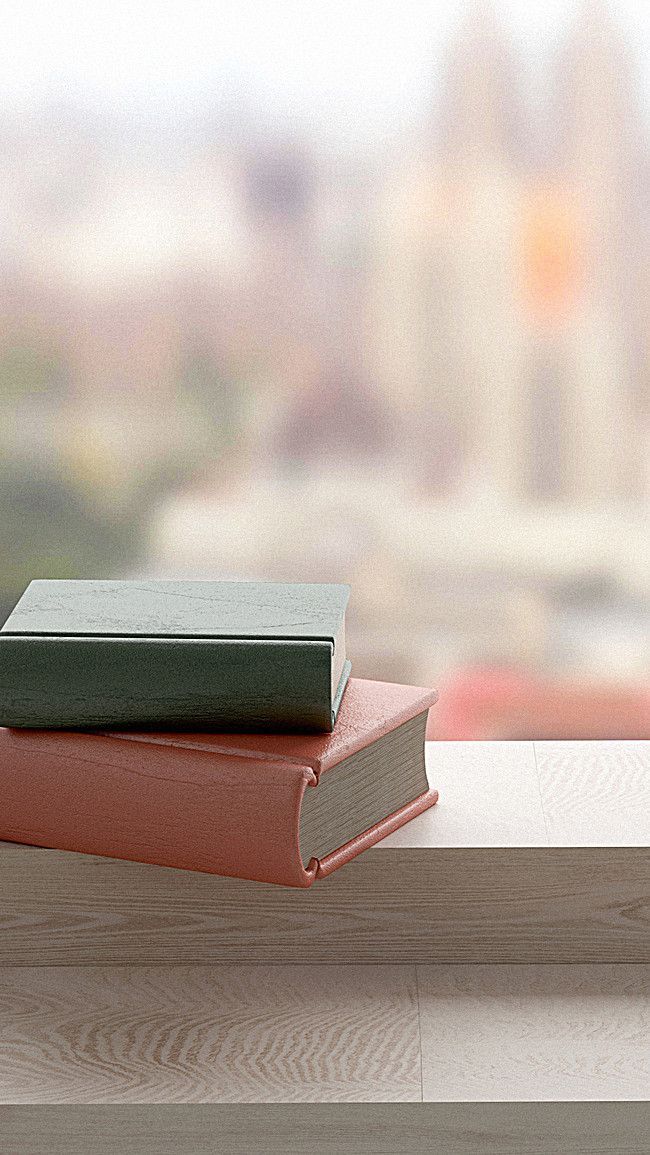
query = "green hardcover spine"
{"x": 167, "y": 683}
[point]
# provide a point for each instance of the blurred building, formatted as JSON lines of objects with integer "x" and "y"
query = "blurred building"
{"x": 507, "y": 272}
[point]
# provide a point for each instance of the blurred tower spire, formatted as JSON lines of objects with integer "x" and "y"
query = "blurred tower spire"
{"x": 601, "y": 158}
{"x": 480, "y": 161}
{"x": 596, "y": 105}
{"x": 599, "y": 136}
{"x": 480, "y": 109}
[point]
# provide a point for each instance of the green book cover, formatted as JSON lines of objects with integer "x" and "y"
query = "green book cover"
{"x": 174, "y": 655}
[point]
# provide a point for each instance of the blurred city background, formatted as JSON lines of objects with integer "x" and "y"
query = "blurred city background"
{"x": 361, "y": 292}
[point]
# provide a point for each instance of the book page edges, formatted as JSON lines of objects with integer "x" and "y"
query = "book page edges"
{"x": 390, "y": 715}
{"x": 321, "y": 868}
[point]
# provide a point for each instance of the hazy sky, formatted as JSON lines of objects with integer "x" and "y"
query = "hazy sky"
{"x": 352, "y": 64}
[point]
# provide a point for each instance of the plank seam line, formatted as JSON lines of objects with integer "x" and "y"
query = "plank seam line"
{"x": 417, "y": 996}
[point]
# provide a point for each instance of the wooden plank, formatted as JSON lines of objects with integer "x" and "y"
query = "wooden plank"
{"x": 535, "y": 1032}
{"x": 233, "y": 1034}
{"x": 595, "y": 793}
{"x": 518, "y": 904}
{"x": 329, "y": 1129}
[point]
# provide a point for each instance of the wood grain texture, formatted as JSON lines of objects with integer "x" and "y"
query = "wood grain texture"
{"x": 208, "y": 1034}
{"x": 523, "y": 904}
{"x": 329, "y": 1129}
{"x": 535, "y": 1033}
{"x": 534, "y": 794}
{"x": 595, "y": 793}
{"x": 324, "y": 1034}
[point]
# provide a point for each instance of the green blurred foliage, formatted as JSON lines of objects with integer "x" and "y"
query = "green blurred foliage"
{"x": 29, "y": 369}
{"x": 49, "y": 530}
{"x": 211, "y": 395}
{"x": 70, "y": 508}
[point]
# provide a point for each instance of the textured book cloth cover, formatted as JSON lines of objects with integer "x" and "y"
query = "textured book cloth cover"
{"x": 175, "y": 654}
{"x": 222, "y": 803}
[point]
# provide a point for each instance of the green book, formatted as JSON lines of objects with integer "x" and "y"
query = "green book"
{"x": 174, "y": 655}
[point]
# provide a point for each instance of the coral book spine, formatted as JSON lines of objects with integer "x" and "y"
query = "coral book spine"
{"x": 229, "y": 814}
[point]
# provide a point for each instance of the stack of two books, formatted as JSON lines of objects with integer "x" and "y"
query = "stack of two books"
{"x": 210, "y": 726}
